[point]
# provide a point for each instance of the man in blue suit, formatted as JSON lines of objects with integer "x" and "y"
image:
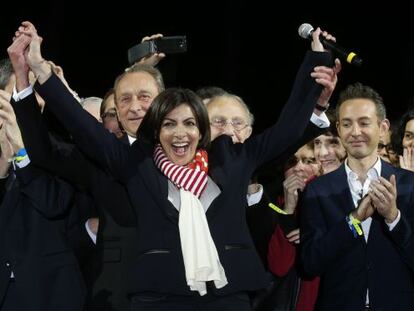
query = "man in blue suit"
{"x": 358, "y": 221}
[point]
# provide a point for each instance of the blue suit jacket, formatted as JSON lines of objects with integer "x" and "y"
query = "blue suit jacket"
{"x": 158, "y": 264}
{"x": 348, "y": 265}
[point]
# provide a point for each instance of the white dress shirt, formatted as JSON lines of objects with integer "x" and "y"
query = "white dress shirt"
{"x": 359, "y": 190}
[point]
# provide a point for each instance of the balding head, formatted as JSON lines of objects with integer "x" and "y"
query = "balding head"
{"x": 92, "y": 105}
{"x": 230, "y": 115}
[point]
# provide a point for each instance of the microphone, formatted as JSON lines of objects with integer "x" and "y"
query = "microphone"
{"x": 305, "y": 31}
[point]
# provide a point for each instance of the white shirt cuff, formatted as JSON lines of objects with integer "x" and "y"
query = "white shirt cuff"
{"x": 22, "y": 94}
{"x": 395, "y": 222}
{"x": 255, "y": 198}
{"x": 90, "y": 233}
{"x": 321, "y": 121}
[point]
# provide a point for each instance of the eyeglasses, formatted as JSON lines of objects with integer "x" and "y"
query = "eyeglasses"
{"x": 221, "y": 123}
{"x": 109, "y": 115}
{"x": 388, "y": 147}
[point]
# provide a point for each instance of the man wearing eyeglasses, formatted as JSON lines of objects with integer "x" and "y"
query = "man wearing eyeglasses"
{"x": 109, "y": 114}
{"x": 386, "y": 151}
{"x": 229, "y": 115}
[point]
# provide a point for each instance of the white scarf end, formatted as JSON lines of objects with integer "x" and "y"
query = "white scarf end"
{"x": 200, "y": 286}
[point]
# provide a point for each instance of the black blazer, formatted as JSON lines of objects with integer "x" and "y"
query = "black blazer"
{"x": 348, "y": 265}
{"x": 116, "y": 241}
{"x": 158, "y": 265}
{"x": 33, "y": 243}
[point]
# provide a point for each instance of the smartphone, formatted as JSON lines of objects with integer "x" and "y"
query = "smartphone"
{"x": 167, "y": 45}
{"x": 170, "y": 45}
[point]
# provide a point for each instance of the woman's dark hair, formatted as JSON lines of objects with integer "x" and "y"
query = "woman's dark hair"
{"x": 104, "y": 102}
{"x": 398, "y": 138}
{"x": 332, "y": 130}
{"x": 163, "y": 104}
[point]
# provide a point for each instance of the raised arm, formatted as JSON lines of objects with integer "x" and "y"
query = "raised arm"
{"x": 314, "y": 84}
{"x": 69, "y": 165}
{"x": 87, "y": 132}
{"x": 330, "y": 79}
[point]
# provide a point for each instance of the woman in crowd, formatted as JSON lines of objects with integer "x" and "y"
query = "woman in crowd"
{"x": 194, "y": 244}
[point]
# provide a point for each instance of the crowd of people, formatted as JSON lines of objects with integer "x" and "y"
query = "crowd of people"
{"x": 156, "y": 198}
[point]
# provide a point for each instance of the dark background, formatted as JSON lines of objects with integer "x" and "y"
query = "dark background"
{"x": 250, "y": 48}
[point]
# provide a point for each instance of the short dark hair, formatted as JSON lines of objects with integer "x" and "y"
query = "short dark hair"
{"x": 358, "y": 90}
{"x": 208, "y": 92}
{"x": 6, "y": 71}
{"x": 164, "y": 103}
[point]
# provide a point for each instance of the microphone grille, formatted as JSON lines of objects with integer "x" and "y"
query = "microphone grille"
{"x": 305, "y": 30}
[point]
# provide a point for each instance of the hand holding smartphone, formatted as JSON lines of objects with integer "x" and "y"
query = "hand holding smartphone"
{"x": 167, "y": 45}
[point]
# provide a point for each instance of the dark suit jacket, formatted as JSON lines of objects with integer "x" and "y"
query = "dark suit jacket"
{"x": 348, "y": 265}
{"x": 116, "y": 242}
{"x": 33, "y": 243}
{"x": 158, "y": 265}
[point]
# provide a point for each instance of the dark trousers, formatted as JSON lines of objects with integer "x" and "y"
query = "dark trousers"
{"x": 11, "y": 299}
{"x": 161, "y": 302}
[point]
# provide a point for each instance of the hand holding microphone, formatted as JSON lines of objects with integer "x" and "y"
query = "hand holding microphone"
{"x": 325, "y": 76}
{"x": 316, "y": 39}
{"x": 306, "y": 30}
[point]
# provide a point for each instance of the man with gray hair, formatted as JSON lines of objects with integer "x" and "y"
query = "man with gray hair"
{"x": 93, "y": 106}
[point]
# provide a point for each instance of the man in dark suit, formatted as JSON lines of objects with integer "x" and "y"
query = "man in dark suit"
{"x": 116, "y": 241}
{"x": 229, "y": 115}
{"x": 38, "y": 268}
{"x": 358, "y": 220}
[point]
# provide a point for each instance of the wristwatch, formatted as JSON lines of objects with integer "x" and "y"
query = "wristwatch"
{"x": 321, "y": 108}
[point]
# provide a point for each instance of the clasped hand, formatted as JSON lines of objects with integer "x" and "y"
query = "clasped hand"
{"x": 382, "y": 198}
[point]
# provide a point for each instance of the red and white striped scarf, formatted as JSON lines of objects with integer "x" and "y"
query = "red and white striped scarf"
{"x": 192, "y": 177}
{"x": 200, "y": 256}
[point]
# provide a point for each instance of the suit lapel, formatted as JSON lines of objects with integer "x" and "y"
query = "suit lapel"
{"x": 340, "y": 183}
{"x": 125, "y": 139}
{"x": 377, "y": 221}
{"x": 216, "y": 174}
{"x": 9, "y": 205}
{"x": 386, "y": 170}
{"x": 157, "y": 186}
